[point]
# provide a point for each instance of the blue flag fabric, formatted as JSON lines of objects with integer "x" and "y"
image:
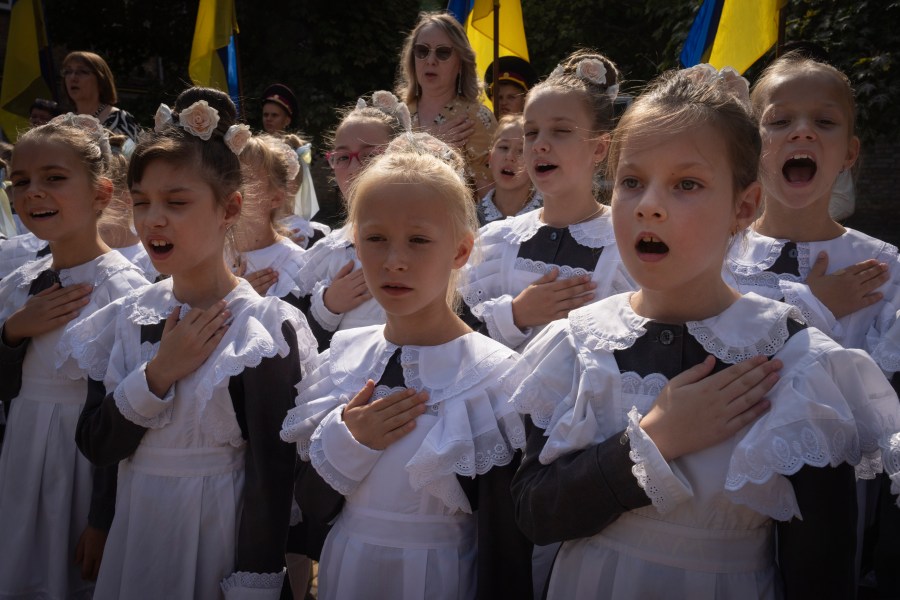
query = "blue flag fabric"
{"x": 703, "y": 32}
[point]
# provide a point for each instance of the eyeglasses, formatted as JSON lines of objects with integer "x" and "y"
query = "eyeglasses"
{"x": 442, "y": 53}
{"x": 79, "y": 72}
{"x": 341, "y": 159}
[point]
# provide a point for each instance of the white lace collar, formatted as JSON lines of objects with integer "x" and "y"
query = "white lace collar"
{"x": 492, "y": 213}
{"x": 94, "y": 271}
{"x": 153, "y": 304}
{"x": 754, "y": 253}
{"x": 594, "y": 233}
{"x": 362, "y": 353}
{"x": 751, "y": 326}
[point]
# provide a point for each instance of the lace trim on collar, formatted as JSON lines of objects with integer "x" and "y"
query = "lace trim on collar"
{"x": 105, "y": 266}
{"x": 595, "y": 233}
{"x": 608, "y": 325}
{"x": 743, "y": 263}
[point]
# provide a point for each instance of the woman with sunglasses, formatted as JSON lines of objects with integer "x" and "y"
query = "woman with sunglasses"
{"x": 91, "y": 89}
{"x": 439, "y": 84}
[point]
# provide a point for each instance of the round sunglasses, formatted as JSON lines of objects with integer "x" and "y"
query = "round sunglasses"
{"x": 442, "y": 53}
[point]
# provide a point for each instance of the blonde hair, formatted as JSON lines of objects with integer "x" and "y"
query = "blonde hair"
{"x": 280, "y": 164}
{"x": 118, "y": 216}
{"x": 407, "y": 166}
{"x": 506, "y": 121}
{"x": 408, "y": 88}
{"x": 798, "y": 62}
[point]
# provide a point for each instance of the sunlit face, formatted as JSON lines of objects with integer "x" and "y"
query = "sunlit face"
{"x": 53, "y": 193}
{"x": 357, "y": 141}
{"x": 806, "y": 138}
{"x": 179, "y": 220}
{"x": 509, "y": 98}
{"x": 561, "y": 150}
{"x": 507, "y": 162}
{"x": 674, "y": 209}
{"x": 81, "y": 82}
{"x": 407, "y": 249}
{"x": 436, "y": 76}
{"x": 275, "y": 118}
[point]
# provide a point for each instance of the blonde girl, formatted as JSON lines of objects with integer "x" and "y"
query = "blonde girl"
{"x": 512, "y": 194}
{"x": 427, "y": 412}
{"x": 55, "y": 509}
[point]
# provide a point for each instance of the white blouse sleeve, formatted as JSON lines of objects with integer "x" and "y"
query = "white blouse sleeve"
{"x": 815, "y": 313}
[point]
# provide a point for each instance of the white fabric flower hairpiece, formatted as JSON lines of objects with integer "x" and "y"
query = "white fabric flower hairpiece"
{"x": 90, "y": 125}
{"x": 291, "y": 160}
{"x": 732, "y": 81}
{"x": 591, "y": 70}
{"x": 201, "y": 119}
{"x": 390, "y": 105}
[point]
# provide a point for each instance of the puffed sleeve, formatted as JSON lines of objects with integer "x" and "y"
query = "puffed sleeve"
{"x": 262, "y": 395}
{"x": 816, "y": 314}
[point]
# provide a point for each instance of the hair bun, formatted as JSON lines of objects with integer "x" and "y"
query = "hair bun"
{"x": 726, "y": 79}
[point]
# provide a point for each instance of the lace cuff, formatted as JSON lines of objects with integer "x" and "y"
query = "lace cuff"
{"x": 814, "y": 312}
{"x": 497, "y": 314}
{"x": 327, "y": 319}
{"x": 657, "y": 478}
{"x": 252, "y": 586}
{"x": 337, "y": 456}
{"x": 141, "y": 406}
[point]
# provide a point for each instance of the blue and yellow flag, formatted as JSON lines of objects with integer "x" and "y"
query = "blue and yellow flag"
{"x": 478, "y": 18}
{"x": 213, "y": 53}
{"x": 732, "y": 33}
{"x": 26, "y": 69}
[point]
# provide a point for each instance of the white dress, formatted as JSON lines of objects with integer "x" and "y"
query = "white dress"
{"x": 284, "y": 257}
{"x": 137, "y": 254}
{"x": 709, "y": 530}
{"x": 320, "y": 265}
{"x": 181, "y": 493}
{"x": 757, "y": 264}
{"x": 45, "y": 483}
{"x": 517, "y": 251}
{"x": 406, "y": 529}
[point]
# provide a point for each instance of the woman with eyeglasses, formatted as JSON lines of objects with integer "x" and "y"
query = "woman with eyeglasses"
{"x": 91, "y": 88}
{"x": 438, "y": 81}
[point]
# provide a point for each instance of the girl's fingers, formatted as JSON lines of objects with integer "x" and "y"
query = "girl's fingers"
{"x": 172, "y": 319}
{"x": 363, "y": 396}
{"x": 48, "y": 291}
{"x": 345, "y": 270}
{"x": 694, "y": 374}
{"x": 755, "y": 381}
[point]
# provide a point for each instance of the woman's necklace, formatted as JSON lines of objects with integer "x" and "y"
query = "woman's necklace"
{"x": 99, "y": 110}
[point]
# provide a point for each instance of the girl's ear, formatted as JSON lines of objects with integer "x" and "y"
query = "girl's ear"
{"x": 747, "y": 205}
{"x": 102, "y": 195}
{"x": 601, "y": 150}
{"x": 233, "y": 208}
{"x": 852, "y": 152}
{"x": 463, "y": 251}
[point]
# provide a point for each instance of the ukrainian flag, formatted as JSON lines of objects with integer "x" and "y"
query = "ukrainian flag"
{"x": 213, "y": 53}
{"x": 732, "y": 33}
{"x": 26, "y": 69}
{"x": 478, "y": 18}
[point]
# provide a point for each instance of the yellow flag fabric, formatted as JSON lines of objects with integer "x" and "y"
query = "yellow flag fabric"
{"x": 216, "y": 22}
{"x": 747, "y": 29}
{"x": 480, "y": 31}
{"x": 22, "y": 79}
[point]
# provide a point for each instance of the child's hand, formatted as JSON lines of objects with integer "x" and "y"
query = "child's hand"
{"x": 43, "y": 312}
{"x": 549, "y": 298}
{"x": 697, "y": 410}
{"x": 850, "y": 289}
{"x": 186, "y": 344}
{"x": 89, "y": 552}
{"x": 347, "y": 291}
{"x": 386, "y": 420}
{"x": 455, "y": 132}
{"x": 262, "y": 280}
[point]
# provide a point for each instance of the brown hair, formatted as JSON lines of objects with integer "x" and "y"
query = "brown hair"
{"x": 407, "y": 87}
{"x": 678, "y": 101}
{"x": 216, "y": 163}
{"x": 106, "y": 83}
{"x": 597, "y": 97}
{"x": 798, "y": 61}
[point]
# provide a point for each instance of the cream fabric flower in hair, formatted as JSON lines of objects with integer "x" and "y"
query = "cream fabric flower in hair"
{"x": 199, "y": 119}
{"x": 236, "y": 138}
{"x": 591, "y": 69}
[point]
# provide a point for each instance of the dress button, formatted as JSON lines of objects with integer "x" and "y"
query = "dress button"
{"x": 792, "y": 253}
{"x": 554, "y": 235}
{"x": 666, "y": 337}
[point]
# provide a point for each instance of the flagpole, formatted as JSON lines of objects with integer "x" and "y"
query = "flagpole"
{"x": 496, "y": 77}
{"x": 782, "y": 19}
